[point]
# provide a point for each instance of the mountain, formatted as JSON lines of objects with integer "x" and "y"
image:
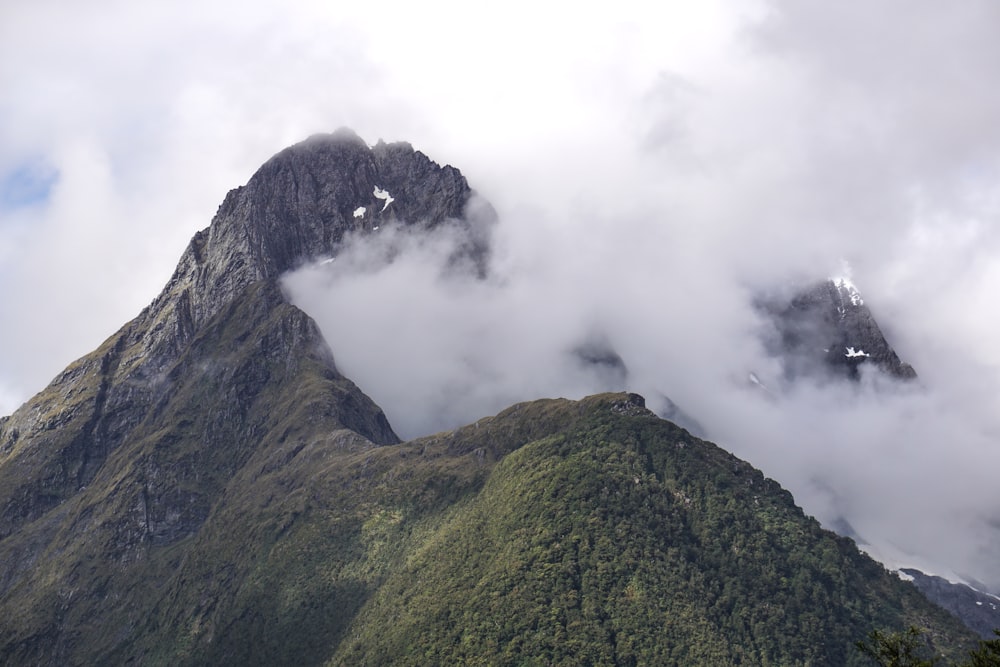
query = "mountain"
{"x": 137, "y": 446}
{"x": 978, "y": 610}
{"x": 826, "y": 330}
{"x": 614, "y": 537}
{"x": 207, "y": 488}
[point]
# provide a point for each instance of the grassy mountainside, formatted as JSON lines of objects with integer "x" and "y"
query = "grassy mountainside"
{"x": 557, "y": 532}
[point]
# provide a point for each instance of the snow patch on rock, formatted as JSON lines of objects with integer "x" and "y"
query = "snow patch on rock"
{"x": 383, "y": 194}
{"x": 847, "y": 288}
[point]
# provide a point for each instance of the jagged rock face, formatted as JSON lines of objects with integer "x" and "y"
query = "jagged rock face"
{"x": 303, "y": 201}
{"x": 977, "y": 610}
{"x": 299, "y": 206}
{"x": 827, "y": 330}
{"x": 131, "y": 448}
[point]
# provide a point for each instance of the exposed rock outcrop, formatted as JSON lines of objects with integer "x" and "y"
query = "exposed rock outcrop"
{"x": 978, "y": 610}
{"x": 134, "y": 446}
{"x": 827, "y": 330}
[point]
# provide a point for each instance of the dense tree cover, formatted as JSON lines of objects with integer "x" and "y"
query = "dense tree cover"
{"x": 988, "y": 653}
{"x": 898, "y": 649}
{"x": 557, "y": 532}
{"x": 624, "y": 540}
{"x": 908, "y": 649}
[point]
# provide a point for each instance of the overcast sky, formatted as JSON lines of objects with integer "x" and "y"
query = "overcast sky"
{"x": 652, "y": 170}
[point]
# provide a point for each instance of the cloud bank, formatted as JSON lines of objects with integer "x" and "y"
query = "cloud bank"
{"x": 652, "y": 169}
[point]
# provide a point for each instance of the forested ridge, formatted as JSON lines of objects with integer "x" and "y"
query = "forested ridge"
{"x": 557, "y": 532}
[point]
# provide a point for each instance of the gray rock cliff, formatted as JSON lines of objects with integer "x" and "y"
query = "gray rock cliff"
{"x": 136, "y": 446}
{"x": 978, "y": 610}
{"x": 827, "y": 330}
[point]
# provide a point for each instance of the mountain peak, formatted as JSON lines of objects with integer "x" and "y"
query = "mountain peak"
{"x": 301, "y": 203}
{"x": 848, "y": 290}
{"x": 220, "y": 376}
{"x": 827, "y": 328}
{"x": 300, "y": 206}
{"x": 343, "y": 133}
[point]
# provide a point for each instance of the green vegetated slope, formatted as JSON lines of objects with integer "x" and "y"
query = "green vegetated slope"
{"x": 621, "y": 539}
{"x": 88, "y": 557}
{"x": 294, "y": 552}
{"x": 557, "y": 532}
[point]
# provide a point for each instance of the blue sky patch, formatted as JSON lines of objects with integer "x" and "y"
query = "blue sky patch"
{"x": 28, "y": 184}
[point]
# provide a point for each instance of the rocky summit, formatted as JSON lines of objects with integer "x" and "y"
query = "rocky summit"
{"x": 134, "y": 446}
{"x": 827, "y": 330}
{"x": 206, "y": 488}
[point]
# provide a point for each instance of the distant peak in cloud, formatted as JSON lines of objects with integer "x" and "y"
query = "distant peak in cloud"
{"x": 826, "y": 330}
